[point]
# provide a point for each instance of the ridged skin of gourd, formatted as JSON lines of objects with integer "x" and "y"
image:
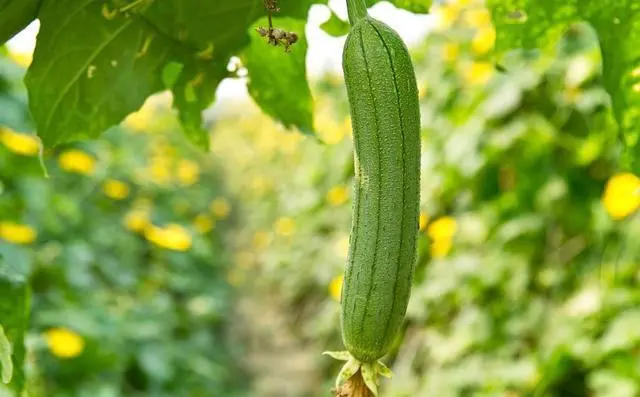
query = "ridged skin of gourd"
{"x": 385, "y": 113}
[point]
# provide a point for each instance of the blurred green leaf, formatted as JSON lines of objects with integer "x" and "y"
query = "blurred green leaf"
{"x": 540, "y": 24}
{"x": 335, "y": 26}
{"x": 14, "y": 318}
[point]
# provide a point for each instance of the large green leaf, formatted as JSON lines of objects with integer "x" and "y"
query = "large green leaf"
{"x": 540, "y": 23}
{"x": 278, "y": 81}
{"x": 15, "y": 15}
{"x": 96, "y": 62}
{"x": 14, "y": 317}
{"x": 94, "y": 65}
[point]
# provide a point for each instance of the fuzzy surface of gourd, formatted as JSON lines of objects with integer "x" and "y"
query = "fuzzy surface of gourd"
{"x": 383, "y": 98}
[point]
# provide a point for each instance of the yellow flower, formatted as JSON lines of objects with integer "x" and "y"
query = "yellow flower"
{"x": 440, "y": 248}
{"x": 173, "y": 237}
{"x": 64, "y": 343}
{"x": 335, "y": 287}
{"x": 347, "y": 126}
{"x": 484, "y": 40}
{"x": 260, "y": 240}
{"x": 423, "y": 220}
{"x": 477, "y": 17}
{"x": 203, "y": 224}
{"x": 445, "y": 16}
{"x": 285, "y": 226}
{"x": 137, "y": 220}
{"x": 115, "y": 189}
{"x": 26, "y": 145}
{"x": 139, "y": 121}
{"x": 342, "y": 247}
{"x": 442, "y": 228}
{"x": 290, "y": 142}
{"x": 188, "y": 172}
{"x": 423, "y": 90}
{"x": 23, "y": 59}
{"x": 159, "y": 170}
{"x": 17, "y": 233}
{"x": 337, "y": 195}
{"x": 450, "y": 52}
{"x": 622, "y": 195}
{"x": 478, "y": 73}
{"x": 220, "y": 207}
{"x": 441, "y": 232}
{"x": 77, "y": 161}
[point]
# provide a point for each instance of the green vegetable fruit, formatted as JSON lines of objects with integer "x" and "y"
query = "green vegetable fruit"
{"x": 383, "y": 97}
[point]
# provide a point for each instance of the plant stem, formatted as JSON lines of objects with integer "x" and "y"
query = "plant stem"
{"x": 357, "y": 10}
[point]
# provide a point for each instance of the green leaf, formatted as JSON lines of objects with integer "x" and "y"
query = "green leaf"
{"x": 89, "y": 72}
{"x": 14, "y": 316}
{"x": 335, "y": 26}
{"x": 6, "y": 365}
{"x": 278, "y": 81}
{"x": 540, "y": 24}
{"x": 94, "y": 64}
{"x": 194, "y": 92}
{"x": 15, "y": 15}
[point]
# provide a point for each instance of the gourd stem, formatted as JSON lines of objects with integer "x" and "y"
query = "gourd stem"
{"x": 357, "y": 10}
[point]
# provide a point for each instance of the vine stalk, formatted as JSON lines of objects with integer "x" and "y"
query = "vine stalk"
{"x": 357, "y": 10}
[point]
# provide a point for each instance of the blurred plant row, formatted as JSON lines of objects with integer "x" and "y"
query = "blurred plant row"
{"x": 527, "y": 277}
{"x": 124, "y": 246}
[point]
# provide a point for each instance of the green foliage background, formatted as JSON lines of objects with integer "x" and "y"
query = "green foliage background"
{"x": 538, "y": 295}
{"x": 154, "y": 321}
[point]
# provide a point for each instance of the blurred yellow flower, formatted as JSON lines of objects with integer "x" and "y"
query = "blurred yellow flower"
{"x": 220, "y": 207}
{"x": 346, "y": 125}
{"x": 423, "y": 220}
{"x": 137, "y": 220}
{"x": 422, "y": 90}
{"x": 441, "y": 232}
{"x": 440, "y": 248}
{"x": 17, "y": 233}
{"x": 450, "y": 52}
{"x": 77, "y": 161}
{"x": 22, "y": 58}
{"x": 139, "y": 121}
{"x": 188, "y": 172}
{"x": 64, "y": 343}
{"x": 342, "y": 247}
{"x": 484, "y": 40}
{"x": 445, "y": 15}
{"x": 290, "y": 141}
{"x": 335, "y": 287}
{"x": 203, "y": 224}
{"x": 285, "y": 226}
{"x": 622, "y": 195}
{"x": 332, "y": 135}
{"x": 477, "y": 17}
{"x": 478, "y": 73}
{"x": 260, "y": 240}
{"x": 26, "y": 145}
{"x": 173, "y": 237}
{"x": 338, "y": 195}
{"x": 442, "y": 228}
{"x": 115, "y": 189}
{"x": 159, "y": 170}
